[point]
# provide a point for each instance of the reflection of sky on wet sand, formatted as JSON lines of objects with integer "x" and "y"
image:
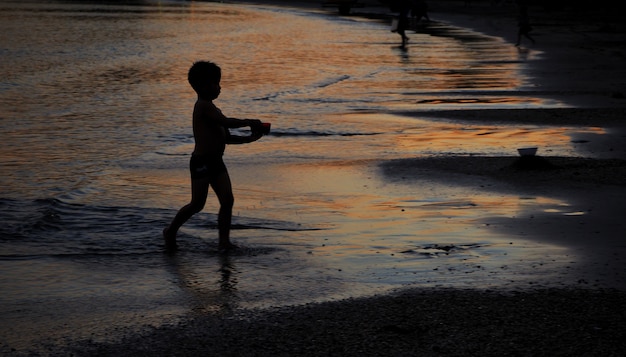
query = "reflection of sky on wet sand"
{"x": 391, "y": 234}
{"x": 490, "y": 140}
{"x": 385, "y": 135}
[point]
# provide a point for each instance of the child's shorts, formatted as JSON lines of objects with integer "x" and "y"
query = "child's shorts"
{"x": 206, "y": 166}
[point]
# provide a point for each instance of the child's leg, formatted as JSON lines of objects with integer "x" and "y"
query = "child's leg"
{"x": 224, "y": 191}
{"x": 199, "y": 191}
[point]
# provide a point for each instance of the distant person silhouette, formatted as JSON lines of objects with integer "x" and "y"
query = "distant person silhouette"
{"x": 211, "y": 134}
{"x": 420, "y": 10}
{"x": 523, "y": 24}
{"x": 416, "y": 8}
{"x": 404, "y": 7}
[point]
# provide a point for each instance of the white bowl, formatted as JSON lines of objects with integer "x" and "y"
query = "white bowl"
{"x": 527, "y": 151}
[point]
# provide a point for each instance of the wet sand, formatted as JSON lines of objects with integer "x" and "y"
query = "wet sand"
{"x": 581, "y": 55}
{"x": 580, "y": 58}
{"x": 581, "y": 320}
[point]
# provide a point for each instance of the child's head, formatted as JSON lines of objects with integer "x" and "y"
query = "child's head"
{"x": 202, "y": 76}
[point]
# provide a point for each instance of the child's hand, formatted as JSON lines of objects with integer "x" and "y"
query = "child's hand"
{"x": 254, "y": 123}
{"x": 255, "y": 135}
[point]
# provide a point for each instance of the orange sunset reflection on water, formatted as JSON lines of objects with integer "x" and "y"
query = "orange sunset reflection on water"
{"x": 481, "y": 139}
{"x": 382, "y": 136}
{"x": 368, "y": 226}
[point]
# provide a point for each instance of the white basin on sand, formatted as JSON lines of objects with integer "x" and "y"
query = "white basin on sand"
{"x": 527, "y": 151}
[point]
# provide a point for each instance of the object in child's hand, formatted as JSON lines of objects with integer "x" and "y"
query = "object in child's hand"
{"x": 265, "y": 128}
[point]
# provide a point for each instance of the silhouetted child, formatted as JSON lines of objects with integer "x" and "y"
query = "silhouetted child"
{"x": 523, "y": 24}
{"x": 211, "y": 134}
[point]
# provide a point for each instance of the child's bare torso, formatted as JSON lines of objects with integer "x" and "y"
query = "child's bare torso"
{"x": 209, "y": 135}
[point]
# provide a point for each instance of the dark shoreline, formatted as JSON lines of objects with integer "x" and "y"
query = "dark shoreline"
{"x": 550, "y": 322}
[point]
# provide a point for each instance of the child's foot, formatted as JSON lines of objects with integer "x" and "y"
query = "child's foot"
{"x": 225, "y": 248}
{"x": 170, "y": 239}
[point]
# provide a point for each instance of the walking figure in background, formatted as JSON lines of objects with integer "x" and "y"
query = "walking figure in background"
{"x": 403, "y": 20}
{"x": 211, "y": 135}
{"x": 523, "y": 24}
{"x": 416, "y": 8}
{"x": 420, "y": 10}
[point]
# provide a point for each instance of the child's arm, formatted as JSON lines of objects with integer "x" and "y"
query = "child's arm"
{"x": 235, "y": 139}
{"x": 210, "y": 111}
{"x": 237, "y": 123}
{"x": 231, "y": 123}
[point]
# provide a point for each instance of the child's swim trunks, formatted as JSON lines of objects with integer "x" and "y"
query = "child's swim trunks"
{"x": 206, "y": 166}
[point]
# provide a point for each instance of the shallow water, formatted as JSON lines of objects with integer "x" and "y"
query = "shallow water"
{"x": 95, "y": 124}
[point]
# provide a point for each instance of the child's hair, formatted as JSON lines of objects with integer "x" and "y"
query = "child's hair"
{"x": 202, "y": 72}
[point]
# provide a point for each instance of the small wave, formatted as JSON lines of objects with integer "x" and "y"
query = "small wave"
{"x": 330, "y": 81}
{"x": 54, "y": 228}
{"x": 242, "y": 223}
{"x": 437, "y": 250}
{"x": 178, "y": 154}
{"x": 307, "y": 90}
{"x": 317, "y": 133}
{"x": 276, "y": 95}
{"x": 91, "y": 255}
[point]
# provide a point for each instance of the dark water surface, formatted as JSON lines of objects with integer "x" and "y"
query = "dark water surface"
{"x": 95, "y": 137}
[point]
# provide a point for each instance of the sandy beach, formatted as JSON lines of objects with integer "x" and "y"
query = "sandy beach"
{"x": 412, "y": 323}
{"x": 581, "y": 56}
